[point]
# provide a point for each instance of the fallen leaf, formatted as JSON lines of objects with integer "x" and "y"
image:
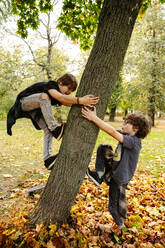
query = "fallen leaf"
{"x": 7, "y": 175}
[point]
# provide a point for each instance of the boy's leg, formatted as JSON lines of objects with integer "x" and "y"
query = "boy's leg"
{"x": 104, "y": 160}
{"x": 104, "y": 154}
{"x": 49, "y": 160}
{"x": 47, "y": 141}
{"x": 35, "y": 101}
{"x": 100, "y": 159}
{"x": 114, "y": 197}
{"x": 100, "y": 165}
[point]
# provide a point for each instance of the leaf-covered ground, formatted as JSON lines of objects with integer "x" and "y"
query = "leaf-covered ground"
{"x": 91, "y": 224}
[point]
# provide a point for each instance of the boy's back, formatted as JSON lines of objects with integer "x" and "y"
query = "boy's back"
{"x": 40, "y": 87}
{"x": 124, "y": 168}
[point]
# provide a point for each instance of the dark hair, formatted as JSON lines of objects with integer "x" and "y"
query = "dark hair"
{"x": 141, "y": 122}
{"x": 68, "y": 79}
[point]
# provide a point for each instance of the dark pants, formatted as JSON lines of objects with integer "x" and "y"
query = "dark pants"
{"x": 104, "y": 159}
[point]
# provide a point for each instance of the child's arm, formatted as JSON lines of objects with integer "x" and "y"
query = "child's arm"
{"x": 69, "y": 100}
{"x": 92, "y": 116}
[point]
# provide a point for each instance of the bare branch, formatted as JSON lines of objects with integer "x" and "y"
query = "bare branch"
{"x": 55, "y": 2}
{"x": 56, "y": 38}
{"x": 41, "y": 21}
{"x": 44, "y": 37}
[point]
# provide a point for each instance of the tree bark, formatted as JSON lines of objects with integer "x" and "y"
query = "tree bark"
{"x": 112, "y": 114}
{"x": 115, "y": 26}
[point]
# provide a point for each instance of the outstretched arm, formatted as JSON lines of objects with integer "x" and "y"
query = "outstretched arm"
{"x": 92, "y": 116}
{"x": 87, "y": 100}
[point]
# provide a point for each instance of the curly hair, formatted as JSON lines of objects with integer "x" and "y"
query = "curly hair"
{"x": 141, "y": 122}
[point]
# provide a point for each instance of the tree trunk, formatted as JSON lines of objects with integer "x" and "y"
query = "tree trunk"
{"x": 116, "y": 23}
{"x": 112, "y": 114}
{"x": 152, "y": 89}
{"x": 125, "y": 112}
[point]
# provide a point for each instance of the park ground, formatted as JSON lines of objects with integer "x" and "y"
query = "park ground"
{"x": 21, "y": 167}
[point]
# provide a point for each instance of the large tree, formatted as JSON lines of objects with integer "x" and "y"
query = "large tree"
{"x": 115, "y": 26}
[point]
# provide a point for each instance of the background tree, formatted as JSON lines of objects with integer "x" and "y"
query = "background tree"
{"x": 11, "y": 71}
{"x": 129, "y": 96}
{"x": 28, "y": 13}
{"x": 57, "y": 66}
{"x": 145, "y": 63}
{"x": 115, "y": 99}
{"x": 5, "y": 9}
{"x": 46, "y": 33}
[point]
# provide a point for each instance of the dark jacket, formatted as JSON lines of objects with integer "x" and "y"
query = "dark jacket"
{"x": 16, "y": 112}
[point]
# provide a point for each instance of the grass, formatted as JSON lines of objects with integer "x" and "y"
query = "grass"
{"x": 21, "y": 153}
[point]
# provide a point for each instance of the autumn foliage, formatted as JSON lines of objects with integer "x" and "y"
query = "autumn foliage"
{"x": 90, "y": 224}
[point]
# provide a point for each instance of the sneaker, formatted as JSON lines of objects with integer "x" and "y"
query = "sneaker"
{"x": 58, "y": 131}
{"x": 49, "y": 162}
{"x": 94, "y": 177}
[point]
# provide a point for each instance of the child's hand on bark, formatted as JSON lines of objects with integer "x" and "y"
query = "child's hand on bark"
{"x": 89, "y": 114}
{"x": 89, "y": 100}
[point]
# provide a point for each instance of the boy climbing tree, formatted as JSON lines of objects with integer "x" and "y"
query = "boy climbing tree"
{"x": 35, "y": 103}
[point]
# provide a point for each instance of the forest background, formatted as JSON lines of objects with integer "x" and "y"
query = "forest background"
{"x": 47, "y": 53}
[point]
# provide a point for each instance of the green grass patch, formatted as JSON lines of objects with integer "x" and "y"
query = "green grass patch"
{"x": 152, "y": 156}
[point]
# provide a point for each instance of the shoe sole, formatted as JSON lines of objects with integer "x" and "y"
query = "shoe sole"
{"x": 36, "y": 189}
{"x": 61, "y": 133}
{"x": 96, "y": 182}
{"x": 52, "y": 164}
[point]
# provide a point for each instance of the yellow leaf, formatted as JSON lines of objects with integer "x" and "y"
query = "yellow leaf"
{"x": 152, "y": 211}
{"x": 18, "y": 2}
{"x": 79, "y": 214}
{"x": 9, "y": 232}
{"x": 74, "y": 208}
{"x": 38, "y": 227}
{"x": 37, "y": 196}
{"x": 50, "y": 244}
{"x": 53, "y": 228}
{"x": 157, "y": 245}
{"x": 12, "y": 195}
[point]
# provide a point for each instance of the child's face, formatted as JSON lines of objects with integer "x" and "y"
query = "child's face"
{"x": 129, "y": 129}
{"x": 65, "y": 89}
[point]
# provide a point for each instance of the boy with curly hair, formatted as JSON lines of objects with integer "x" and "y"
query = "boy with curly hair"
{"x": 118, "y": 168}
